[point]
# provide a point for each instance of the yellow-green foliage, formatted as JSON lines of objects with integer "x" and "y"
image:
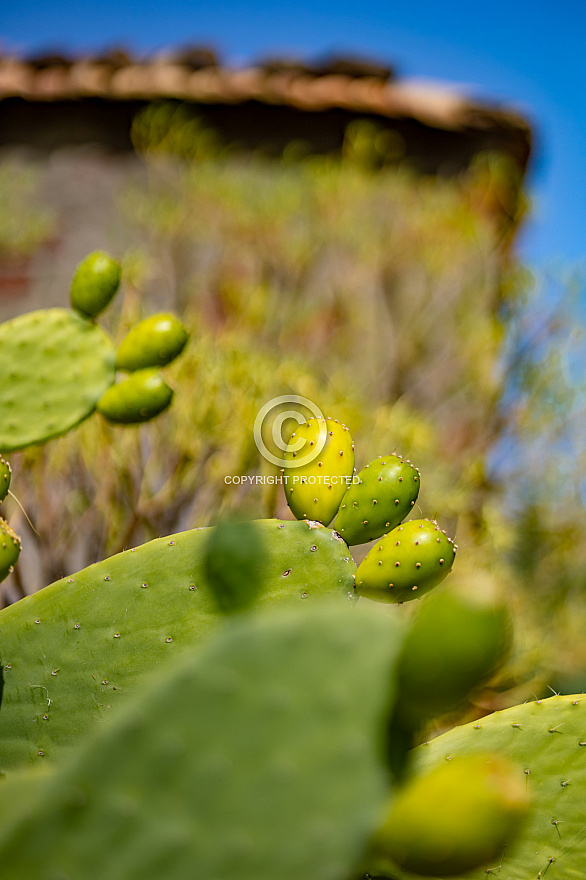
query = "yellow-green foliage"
{"x": 171, "y": 128}
{"x": 382, "y": 296}
{"x": 24, "y": 222}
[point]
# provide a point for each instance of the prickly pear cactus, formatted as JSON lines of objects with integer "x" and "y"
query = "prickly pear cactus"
{"x": 54, "y": 367}
{"x": 406, "y": 563}
{"x": 5, "y": 475}
{"x": 9, "y": 549}
{"x": 458, "y": 639}
{"x": 257, "y": 758}
{"x": 234, "y": 564}
{"x": 71, "y": 653}
{"x": 154, "y": 342}
{"x": 461, "y": 815}
{"x": 547, "y": 740}
{"x": 94, "y": 285}
{"x": 314, "y": 489}
{"x": 138, "y": 398}
{"x": 386, "y": 490}
{"x": 19, "y": 793}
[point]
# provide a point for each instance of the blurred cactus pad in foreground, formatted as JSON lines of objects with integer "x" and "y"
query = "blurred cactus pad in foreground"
{"x": 392, "y": 300}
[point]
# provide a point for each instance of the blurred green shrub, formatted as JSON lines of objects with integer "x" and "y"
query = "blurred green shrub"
{"x": 374, "y": 294}
{"x": 170, "y": 128}
{"x": 391, "y": 300}
{"x": 25, "y": 222}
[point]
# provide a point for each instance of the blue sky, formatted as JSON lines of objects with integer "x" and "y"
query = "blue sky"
{"x": 530, "y": 54}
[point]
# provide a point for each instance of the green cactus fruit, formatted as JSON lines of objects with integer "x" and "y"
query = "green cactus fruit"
{"x": 387, "y": 490}
{"x": 234, "y": 565}
{"x": 95, "y": 282}
{"x": 154, "y": 342}
{"x": 75, "y": 651}
{"x": 5, "y": 474}
{"x": 547, "y": 741}
{"x": 54, "y": 366}
{"x": 140, "y": 397}
{"x": 9, "y": 549}
{"x": 319, "y": 465}
{"x": 255, "y": 758}
{"x": 461, "y": 815}
{"x": 406, "y": 563}
{"x": 459, "y": 638}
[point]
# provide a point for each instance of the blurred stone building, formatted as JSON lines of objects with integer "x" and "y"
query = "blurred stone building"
{"x": 75, "y": 114}
{"x": 53, "y": 101}
{"x": 375, "y": 282}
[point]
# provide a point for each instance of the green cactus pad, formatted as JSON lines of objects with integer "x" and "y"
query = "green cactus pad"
{"x": 314, "y": 489}
{"x": 54, "y": 367}
{"x": 154, "y": 342}
{"x": 461, "y": 814}
{"x": 94, "y": 285}
{"x": 547, "y": 740}
{"x": 74, "y": 651}
{"x": 5, "y": 475}
{"x": 406, "y": 563}
{"x": 254, "y": 759}
{"x": 458, "y": 639}
{"x": 387, "y": 490}
{"x": 19, "y": 794}
{"x": 140, "y": 397}
{"x": 234, "y": 564}
{"x": 9, "y": 549}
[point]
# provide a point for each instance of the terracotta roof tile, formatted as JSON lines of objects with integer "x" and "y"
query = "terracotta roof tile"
{"x": 53, "y": 82}
{"x": 16, "y": 79}
{"x": 427, "y": 103}
{"x": 215, "y": 85}
{"x": 430, "y": 104}
{"x": 247, "y": 84}
{"x": 132, "y": 81}
{"x": 91, "y": 79}
{"x": 369, "y": 95}
{"x": 170, "y": 80}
